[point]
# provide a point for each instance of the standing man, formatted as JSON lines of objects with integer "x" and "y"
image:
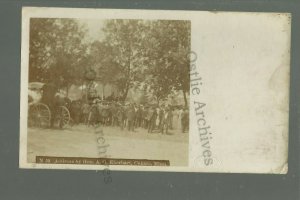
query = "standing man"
{"x": 137, "y": 110}
{"x": 171, "y": 113}
{"x": 144, "y": 117}
{"x": 152, "y": 117}
{"x": 166, "y": 120}
{"x": 180, "y": 111}
{"x": 185, "y": 120}
{"x": 161, "y": 112}
{"x": 48, "y": 97}
{"x": 85, "y": 110}
{"x": 131, "y": 117}
{"x": 121, "y": 116}
{"x": 114, "y": 114}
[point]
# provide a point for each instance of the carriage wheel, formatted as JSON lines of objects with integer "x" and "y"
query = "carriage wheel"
{"x": 63, "y": 116}
{"x": 39, "y": 115}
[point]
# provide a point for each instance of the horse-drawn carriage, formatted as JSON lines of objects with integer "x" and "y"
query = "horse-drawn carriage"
{"x": 46, "y": 108}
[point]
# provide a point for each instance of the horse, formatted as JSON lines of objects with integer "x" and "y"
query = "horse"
{"x": 99, "y": 114}
{"x": 75, "y": 108}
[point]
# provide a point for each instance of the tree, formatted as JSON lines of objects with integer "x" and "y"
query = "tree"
{"x": 167, "y": 56}
{"x": 102, "y": 61}
{"x": 56, "y": 50}
{"x": 154, "y": 52}
{"x": 125, "y": 39}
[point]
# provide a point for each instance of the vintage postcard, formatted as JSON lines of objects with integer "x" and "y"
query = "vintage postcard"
{"x": 154, "y": 90}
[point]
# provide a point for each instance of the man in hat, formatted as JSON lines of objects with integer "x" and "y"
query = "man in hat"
{"x": 165, "y": 121}
{"x": 185, "y": 120}
{"x": 114, "y": 114}
{"x": 152, "y": 117}
{"x": 144, "y": 116}
{"x": 130, "y": 117}
{"x": 121, "y": 116}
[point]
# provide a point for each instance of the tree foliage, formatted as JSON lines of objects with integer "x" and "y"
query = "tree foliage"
{"x": 149, "y": 55}
{"x": 153, "y": 52}
{"x": 167, "y": 57}
{"x": 125, "y": 37}
{"x": 56, "y": 50}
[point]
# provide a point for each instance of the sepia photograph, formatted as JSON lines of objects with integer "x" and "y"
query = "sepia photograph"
{"x": 104, "y": 99}
{"x": 154, "y": 90}
{"x": 131, "y": 77}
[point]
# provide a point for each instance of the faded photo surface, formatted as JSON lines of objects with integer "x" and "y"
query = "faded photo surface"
{"x": 154, "y": 90}
{"x": 131, "y": 77}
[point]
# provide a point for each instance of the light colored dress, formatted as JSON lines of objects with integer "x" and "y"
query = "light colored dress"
{"x": 179, "y": 119}
{"x": 175, "y": 116}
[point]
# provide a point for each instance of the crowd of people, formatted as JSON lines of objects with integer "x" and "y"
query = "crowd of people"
{"x": 110, "y": 111}
{"x": 130, "y": 116}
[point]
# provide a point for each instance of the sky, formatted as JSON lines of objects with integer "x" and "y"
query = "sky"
{"x": 94, "y": 28}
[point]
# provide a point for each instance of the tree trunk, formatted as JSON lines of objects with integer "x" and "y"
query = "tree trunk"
{"x": 125, "y": 92}
{"x": 157, "y": 100}
{"x": 103, "y": 90}
{"x": 67, "y": 95}
{"x": 128, "y": 70}
{"x": 185, "y": 99}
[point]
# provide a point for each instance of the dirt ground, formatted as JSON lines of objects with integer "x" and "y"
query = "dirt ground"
{"x": 81, "y": 141}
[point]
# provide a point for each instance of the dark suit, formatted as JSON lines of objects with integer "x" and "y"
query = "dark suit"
{"x": 165, "y": 121}
{"x": 130, "y": 117}
{"x": 151, "y": 124}
{"x": 185, "y": 120}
